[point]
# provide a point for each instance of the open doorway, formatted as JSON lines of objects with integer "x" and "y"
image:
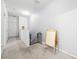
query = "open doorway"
{"x": 13, "y": 28}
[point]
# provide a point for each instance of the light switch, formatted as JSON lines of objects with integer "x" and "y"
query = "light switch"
{"x": 23, "y": 27}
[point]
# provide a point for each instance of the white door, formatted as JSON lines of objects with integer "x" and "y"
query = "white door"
{"x": 23, "y": 29}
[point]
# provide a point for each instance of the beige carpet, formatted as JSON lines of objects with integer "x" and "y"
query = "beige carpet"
{"x": 17, "y": 50}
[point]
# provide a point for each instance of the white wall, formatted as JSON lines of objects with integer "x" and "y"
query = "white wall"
{"x": 61, "y": 15}
{"x": 4, "y": 25}
{"x": 66, "y": 24}
{"x": 33, "y": 28}
{"x": 24, "y": 33}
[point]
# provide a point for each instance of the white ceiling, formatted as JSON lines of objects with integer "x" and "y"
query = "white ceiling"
{"x": 27, "y": 5}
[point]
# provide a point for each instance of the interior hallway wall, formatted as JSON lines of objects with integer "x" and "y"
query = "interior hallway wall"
{"x": 66, "y": 25}
{"x": 61, "y": 15}
{"x": 24, "y": 29}
{"x": 4, "y": 25}
{"x": 33, "y": 28}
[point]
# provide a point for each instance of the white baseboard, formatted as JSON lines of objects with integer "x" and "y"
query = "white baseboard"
{"x": 61, "y": 50}
{"x": 67, "y": 53}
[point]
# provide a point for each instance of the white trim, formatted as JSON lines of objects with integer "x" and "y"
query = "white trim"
{"x": 61, "y": 50}
{"x": 67, "y": 53}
